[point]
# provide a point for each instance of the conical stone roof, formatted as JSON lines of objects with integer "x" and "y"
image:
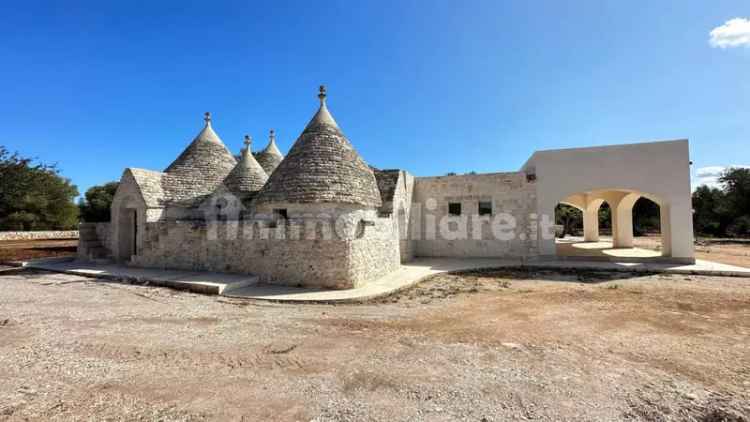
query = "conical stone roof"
{"x": 322, "y": 167}
{"x": 247, "y": 177}
{"x": 270, "y": 157}
{"x": 201, "y": 167}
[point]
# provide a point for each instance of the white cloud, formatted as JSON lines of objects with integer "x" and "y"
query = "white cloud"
{"x": 709, "y": 175}
{"x": 734, "y": 33}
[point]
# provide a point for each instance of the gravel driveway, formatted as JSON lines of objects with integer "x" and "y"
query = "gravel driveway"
{"x": 483, "y": 346}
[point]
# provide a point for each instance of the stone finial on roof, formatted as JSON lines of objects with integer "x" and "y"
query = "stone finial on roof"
{"x": 270, "y": 157}
{"x": 207, "y": 117}
{"x": 323, "y": 116}
{"x": 247, "y": 142}
{"x": 322, "y": 94}
{"x": 322, "y": 167}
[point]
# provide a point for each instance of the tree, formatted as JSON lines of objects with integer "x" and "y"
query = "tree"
{"x": 725, "y": 211}
{"x": 570, "y": 218}
{"x": 736, "y": 187}
{"x": 645, "y": 217}
{"x": 605, "y": 217}
{"x": 708, "y": 210}
{"x": 95, "y": 207}
{"x": 34, "y": 196}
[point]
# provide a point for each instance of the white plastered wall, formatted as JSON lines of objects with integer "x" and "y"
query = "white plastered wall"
{"x": 620, "y": 174}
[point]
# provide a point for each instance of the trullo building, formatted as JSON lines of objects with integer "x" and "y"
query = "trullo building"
{"x": 322, "y": 217}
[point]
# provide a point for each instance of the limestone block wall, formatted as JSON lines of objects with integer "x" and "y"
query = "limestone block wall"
{"x": 95, "y": 240}
{"x": 39, "y": 235}
{"x": 402, "y": 200}
{"x": 104, "y": 233}
{"x": 438, "y": 234}
{"x": 376, "y": 253}
{"x": 188, "y": 246}
{"x": 301, "y": 251}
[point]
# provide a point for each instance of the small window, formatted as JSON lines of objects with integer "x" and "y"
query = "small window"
{"x": 454, "y": 208}
{"x": 485, "y": 208}
{"x": 280, "y": 214}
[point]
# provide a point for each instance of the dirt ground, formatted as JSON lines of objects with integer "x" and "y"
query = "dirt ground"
{"x": 726, "y": 253}
{"x": 483, "y": 346}
{"x": 729, "y": 253}
{"x": 16, "y": 250}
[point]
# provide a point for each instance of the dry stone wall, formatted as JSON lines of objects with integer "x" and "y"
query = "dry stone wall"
{"x": 39, "y": 235}
{"x": 302, "y": 251}
{"x": 94, "y": 241}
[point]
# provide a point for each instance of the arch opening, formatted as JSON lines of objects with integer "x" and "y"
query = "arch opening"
{"x": 612, "y": 225}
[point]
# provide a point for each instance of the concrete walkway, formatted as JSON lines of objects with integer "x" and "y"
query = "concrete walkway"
{"x": 247, "y": 286}
{"x": 194, "y": 281}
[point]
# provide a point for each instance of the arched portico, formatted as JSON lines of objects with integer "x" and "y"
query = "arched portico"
{"x": 621, "y": 203}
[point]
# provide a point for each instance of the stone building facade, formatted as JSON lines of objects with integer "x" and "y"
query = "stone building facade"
{"x": 321, "y": 216}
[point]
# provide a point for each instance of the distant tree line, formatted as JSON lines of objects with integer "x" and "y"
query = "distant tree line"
{"x": 724, "y": 211}
{"x": 34, "y": 196}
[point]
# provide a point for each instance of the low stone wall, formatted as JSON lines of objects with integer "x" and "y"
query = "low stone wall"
{"x": 189, "y": 246}
{"x": 39, "y": 235}
{"x": 94, "y": 240}
{"x": 278, "y": 255}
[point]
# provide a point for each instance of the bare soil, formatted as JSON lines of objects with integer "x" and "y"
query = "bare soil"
{"x": 481, "y": 346}
{"x": 17, "y": 250}
{"x": 725, "y": 253}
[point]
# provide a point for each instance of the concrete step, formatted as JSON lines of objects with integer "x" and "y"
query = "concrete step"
{"x": 198, "y": 282}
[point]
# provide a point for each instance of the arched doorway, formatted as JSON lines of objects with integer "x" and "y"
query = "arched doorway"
{"x": 611, "y": 218}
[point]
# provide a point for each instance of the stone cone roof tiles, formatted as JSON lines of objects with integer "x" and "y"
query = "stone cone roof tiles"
{"x": 270, "y": 157}
{"x": 322, "y": 167}
{"x": 200, "y": 168}
{"x": 248, "y": 176}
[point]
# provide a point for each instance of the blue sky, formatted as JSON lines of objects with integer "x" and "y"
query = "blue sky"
{"x": 428, "y": 86}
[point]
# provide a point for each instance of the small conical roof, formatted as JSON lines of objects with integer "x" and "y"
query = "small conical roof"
{"x": 247, "y": 177}
{"x": 322, "y": 167}
{"x": 270, "y": 157}
{"x": 203, "y": 165}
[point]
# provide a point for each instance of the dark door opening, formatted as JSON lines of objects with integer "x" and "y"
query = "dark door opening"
{"x": 134, "y": 220}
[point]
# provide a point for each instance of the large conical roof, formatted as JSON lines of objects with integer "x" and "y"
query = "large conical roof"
{"x": 322, "y": 166}
{"x": 270, "y": 157}
{"x": 202, "y": 166}
{"x": 247, "y": 177}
